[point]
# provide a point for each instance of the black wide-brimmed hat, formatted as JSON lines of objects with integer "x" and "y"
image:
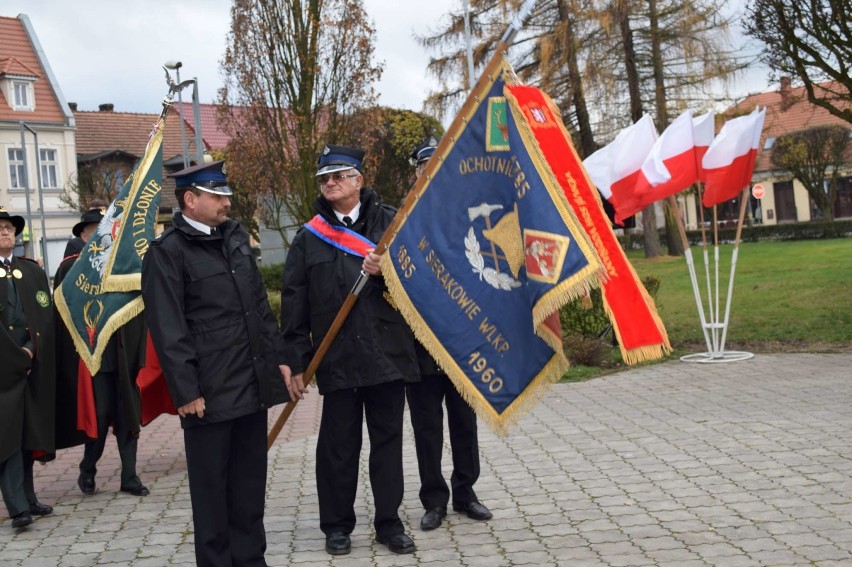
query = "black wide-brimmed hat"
{"x": 19, "y": 222}
{"x": 92, "y": 216}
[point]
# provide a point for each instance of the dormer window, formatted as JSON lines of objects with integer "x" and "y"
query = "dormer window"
{"x": 22, "y": 98}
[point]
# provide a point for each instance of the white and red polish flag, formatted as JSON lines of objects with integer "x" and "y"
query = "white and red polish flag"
{"x": 615, "y": 168}
{"x": 729, "y": 162}
{"x": 671, "y": 166}
{"x": 703, "y": 128}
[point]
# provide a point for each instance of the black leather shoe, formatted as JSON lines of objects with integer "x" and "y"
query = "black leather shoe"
{"x": 398, "y": 543}
{"x": 22, "y": 520}
{"x": 86, "y": 484}
{"x": 474, "y": 510}
{"x": 139, "y": 490}
{"x": 39, "y": 509}
{"x": 432, "y": 518}
{"x": 338, "y": 543}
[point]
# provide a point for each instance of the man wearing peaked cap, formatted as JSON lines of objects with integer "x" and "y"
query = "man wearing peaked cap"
{"x": 425, "y": 403}
{"x": 215, "y": 335}
{"x": 27, "y": 391}
{"x": 365, "y": 369}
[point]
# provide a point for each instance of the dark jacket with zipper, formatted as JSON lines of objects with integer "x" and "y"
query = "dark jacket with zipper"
{"x": 210, "y": 322}
{"x": 375, "y": 345}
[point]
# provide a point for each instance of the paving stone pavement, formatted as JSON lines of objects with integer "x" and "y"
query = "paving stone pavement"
{"x": 682, "y": 464}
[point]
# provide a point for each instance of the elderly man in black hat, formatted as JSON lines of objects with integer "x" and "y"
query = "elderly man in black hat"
{"x": 88, "y": 222}
{"x": 215, "y": 335}
{"x": 27, "y": 387}
{"x": 365, "y": 370}
{"x": 116, "y": 395}
{"x": 425, "y": 401}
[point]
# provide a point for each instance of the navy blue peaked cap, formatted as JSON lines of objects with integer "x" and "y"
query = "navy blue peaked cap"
{"x": 208, "y": 177}
{"x": 339, "y": 158}
{"x": 424, "y": 151}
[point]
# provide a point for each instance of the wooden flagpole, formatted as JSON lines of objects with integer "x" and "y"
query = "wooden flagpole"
{"x": 455, "y": 128}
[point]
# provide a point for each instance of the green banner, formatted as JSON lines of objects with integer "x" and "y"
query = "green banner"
{"x": 101, "y": 291}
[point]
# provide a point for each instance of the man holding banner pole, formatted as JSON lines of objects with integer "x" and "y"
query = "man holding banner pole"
{"x": 365, "y": 370}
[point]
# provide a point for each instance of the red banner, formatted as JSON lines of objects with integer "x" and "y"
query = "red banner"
{"x": 641, "y": 334}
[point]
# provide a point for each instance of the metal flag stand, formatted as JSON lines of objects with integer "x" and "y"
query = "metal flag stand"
{"x": 715, "y": 329}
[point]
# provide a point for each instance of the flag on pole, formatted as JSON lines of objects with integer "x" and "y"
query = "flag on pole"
{"x": 703, "y": 128}
{"x": 639, "y": 329}
{"x": 486, "y": 256}
{"x": 616, "y": 168}
{"x": 729, "y": 162}
{"x": 671, "y": 166}
{"x": 101, "y": 291}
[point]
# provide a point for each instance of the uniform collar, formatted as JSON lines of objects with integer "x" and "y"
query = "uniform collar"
{"x": 353, "y": 214}
{"x": 199, "y": 226}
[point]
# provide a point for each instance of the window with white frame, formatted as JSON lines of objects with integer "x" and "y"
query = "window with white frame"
{"x": 22, "y": 95}
{"x": 17, "y": 173}
{"x": 48, "y": 169}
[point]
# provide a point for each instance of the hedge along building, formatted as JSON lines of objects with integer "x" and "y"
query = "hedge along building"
{"x": 785, "y": 199}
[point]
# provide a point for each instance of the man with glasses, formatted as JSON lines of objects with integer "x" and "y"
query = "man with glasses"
{"x": 365, "y": 370}
{"x": 215, "y": 335}
{"x": 26, "y": 374}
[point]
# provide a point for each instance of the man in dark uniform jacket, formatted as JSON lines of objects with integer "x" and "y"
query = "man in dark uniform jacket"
{"x": 26, "y": 375}
{"x": 215, "y": 334}
{"x": 365, "y": 370}
{"x": 116, "y": 395}
{"x": 425, "y": 401}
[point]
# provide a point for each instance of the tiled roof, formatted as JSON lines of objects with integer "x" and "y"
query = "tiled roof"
{"x": 11, "y": 66}
{"x": 786, "y": 113}
{"x": 104, "y": 132}
{"x": 18, "y": 57}
{"x": 211, "y": 133}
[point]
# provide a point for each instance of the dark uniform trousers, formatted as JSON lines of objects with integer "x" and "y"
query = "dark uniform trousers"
{"x": 226, "y": 463}
{"x": 425, "y": 404}
{"x": 106, "y": 408}
{"x": 339, "y": 450}
{"x": 12, "y": 484}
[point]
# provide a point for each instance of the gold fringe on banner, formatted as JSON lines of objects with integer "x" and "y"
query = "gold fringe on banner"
{"x": 500, "y": 423}
{"x": 93, "y": 359}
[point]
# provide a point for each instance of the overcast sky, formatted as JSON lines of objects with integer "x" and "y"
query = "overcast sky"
{"x": 112, "y": 51}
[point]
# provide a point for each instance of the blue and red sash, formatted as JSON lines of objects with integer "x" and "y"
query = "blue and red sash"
{"x": 339, "y": 236}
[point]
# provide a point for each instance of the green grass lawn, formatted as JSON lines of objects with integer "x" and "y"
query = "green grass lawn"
{"x": 787, "y": 296}
{"x": 798, "y": 293}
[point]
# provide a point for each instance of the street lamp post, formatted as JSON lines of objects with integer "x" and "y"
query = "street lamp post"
{"x": 196, "y": 115}
{"x": 176, "y": 65}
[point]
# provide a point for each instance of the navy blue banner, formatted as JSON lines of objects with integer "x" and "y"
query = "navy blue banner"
{"x": 485, "y": 258}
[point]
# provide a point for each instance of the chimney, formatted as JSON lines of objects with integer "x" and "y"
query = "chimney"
{"x": 72, "y": 106}
{"x": 106, "y": 107}
{"x": 787, "y": 100}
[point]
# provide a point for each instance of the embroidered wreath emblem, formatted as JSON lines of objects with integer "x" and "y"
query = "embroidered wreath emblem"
{"x": 498, "y": 280}
{"x": 42, "y": 298}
